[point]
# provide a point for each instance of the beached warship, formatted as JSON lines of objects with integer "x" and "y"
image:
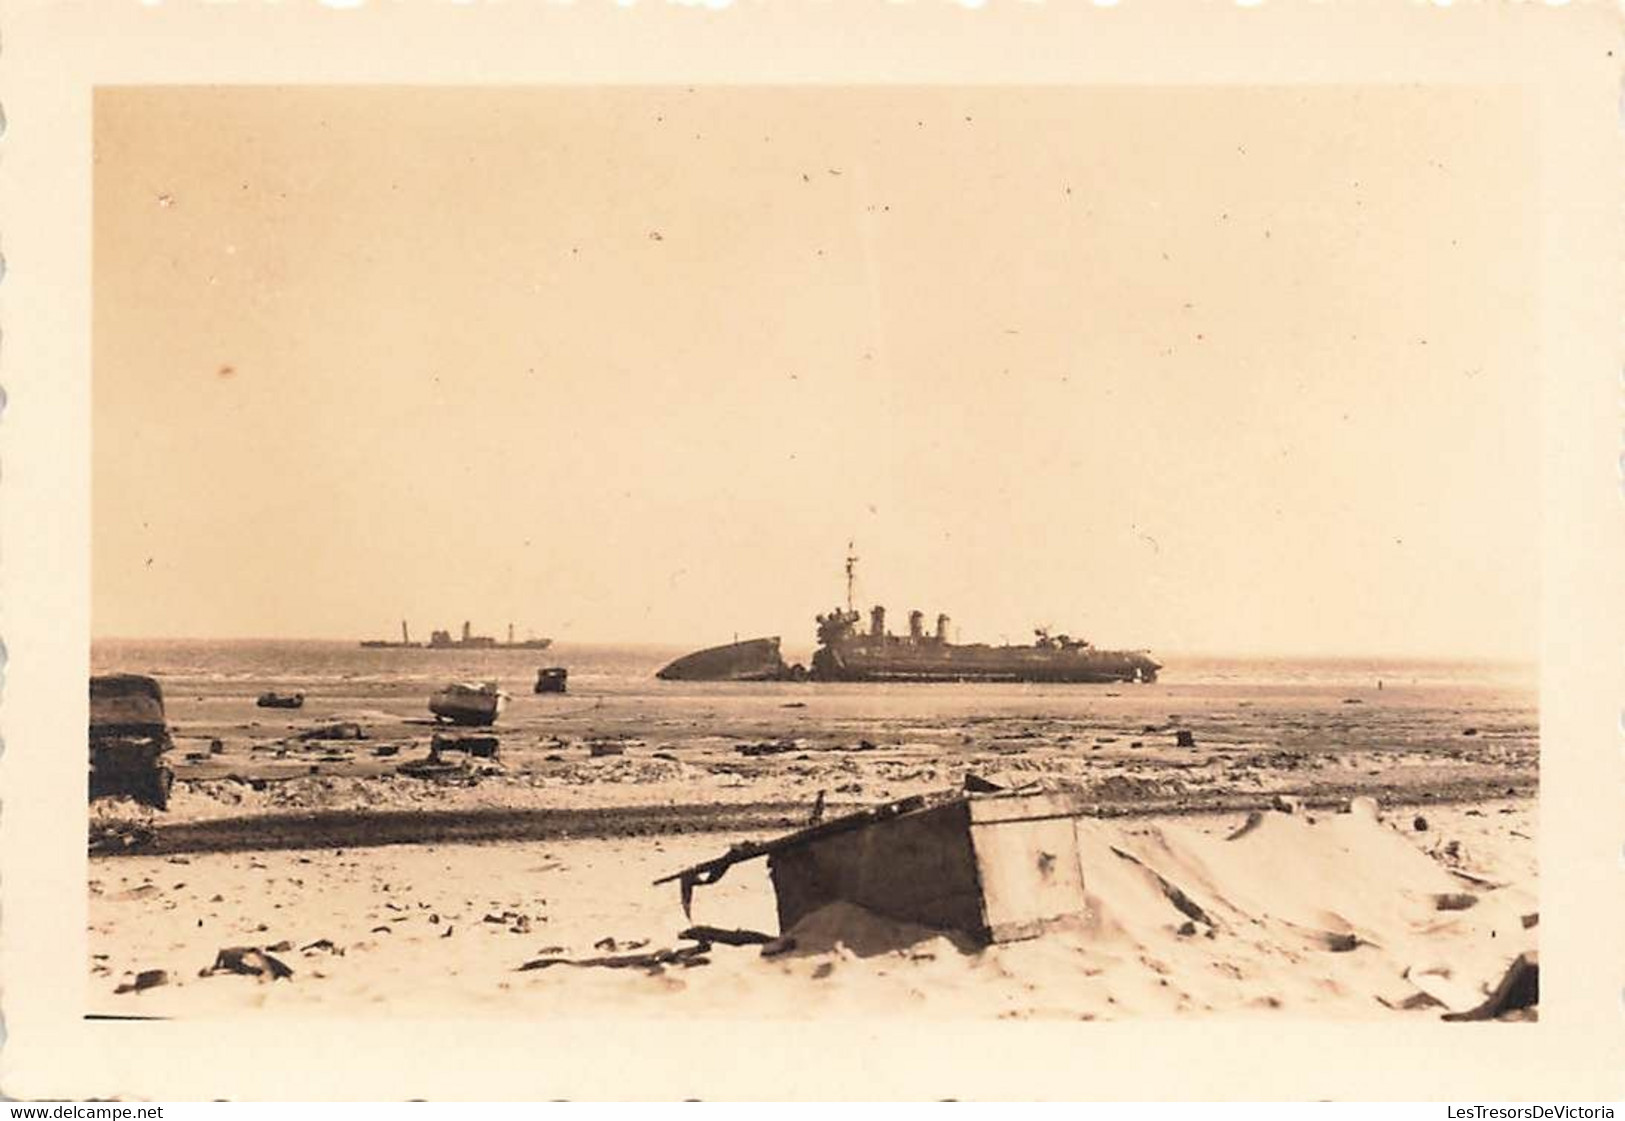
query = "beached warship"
{"x": 847, "y": 654}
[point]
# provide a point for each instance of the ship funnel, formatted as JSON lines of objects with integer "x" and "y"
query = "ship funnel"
{"x": 942, "y": 628}
{"x": 916, "y": 624}
{"x": 877, "y": 621}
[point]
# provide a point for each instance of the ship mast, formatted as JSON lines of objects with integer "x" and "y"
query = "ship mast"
{"x": 851, "y": 573}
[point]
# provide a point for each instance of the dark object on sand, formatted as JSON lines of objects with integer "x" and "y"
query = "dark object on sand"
{"x": 976, "y": 784}
{"x": 685, "y": 956}
{"x": 1519, "y": 989}
{"x": 128, "y": 737}
{"x": 1469, "y": 731}
{"x": 756, "y": 659}
{"x": 552, "y": 679}
{"x": 460, "y": 773}
{"x": 281, "y": 700}
{"x": 249, "y": 960}
{"x": 1420, "y": 824}
{"x": 998, "y": 868}
{"x": 726, "y": 937}
{"x": 599, "y": 748}
{"x": 146, "y": 979}
{"x": 477, "y": 747}
{"x": 1184, "y": 738}
{"x": 1455, "y": 901}
{"x": 343, "y": 730}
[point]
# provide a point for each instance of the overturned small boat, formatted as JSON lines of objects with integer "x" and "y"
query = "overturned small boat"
{"x": 281, "y": 700}
{"x": 466, "y": 703}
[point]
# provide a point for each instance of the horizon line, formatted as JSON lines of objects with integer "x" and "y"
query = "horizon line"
{"x": 1194, "y": 653}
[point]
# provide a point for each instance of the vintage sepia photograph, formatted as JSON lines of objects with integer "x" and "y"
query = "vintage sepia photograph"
{"x": 895, "y": 551}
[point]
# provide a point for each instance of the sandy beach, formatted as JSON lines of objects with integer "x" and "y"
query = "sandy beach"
{"x": 391, "y": 892}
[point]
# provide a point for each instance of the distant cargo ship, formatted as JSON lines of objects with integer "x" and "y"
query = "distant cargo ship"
{"x": 442, "y": 640}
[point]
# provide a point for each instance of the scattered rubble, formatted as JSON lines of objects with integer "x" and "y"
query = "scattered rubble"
{"x": 250, "y": 961}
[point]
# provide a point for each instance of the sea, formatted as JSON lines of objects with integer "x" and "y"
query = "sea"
{"x": 324, "y": 666}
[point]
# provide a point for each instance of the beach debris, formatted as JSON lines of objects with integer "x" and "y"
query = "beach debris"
{"x": 386, "y": 749}
{"x": 772, "y": 747}
{"x": 461, "y": 772}
{"x": 817, "y": 814}
{"x": 1420, "y": 824}
{"x": 119, "y": 836}
{"x": 551, "y": 679}
{"x": 1518, "y": 991}
{"x": 1469, "y": 731}
{"x": 737, "y": 937}
{"x": 1184, "y": 738}
{"x": 341, "y": 730}
{"x": 685, "y": 956}
{"x": 250, "y": 961}
{"x": 146, "y": 979}
{"x": 280, "y": 700}
{"x": 281, "y": 947}
{"x": 976, "y": 784}
{"x": 217, "y": 747}
{"x": 476, "y": 747}
{"x": 322, "y": 946}
{"x": 128, "y": 738}
{"x": 597, "y": 749}
{"x": 947, "y": 861}
{"x": 1286, "y": 803}
{"x": 1454, "y": 901}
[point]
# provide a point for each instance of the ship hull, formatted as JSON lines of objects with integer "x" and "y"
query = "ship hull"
{"x": 756, "y": 659}
{"x": 895, "y": 662}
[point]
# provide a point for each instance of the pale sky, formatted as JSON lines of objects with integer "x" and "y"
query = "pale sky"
{"x": 1245, "y": 371}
